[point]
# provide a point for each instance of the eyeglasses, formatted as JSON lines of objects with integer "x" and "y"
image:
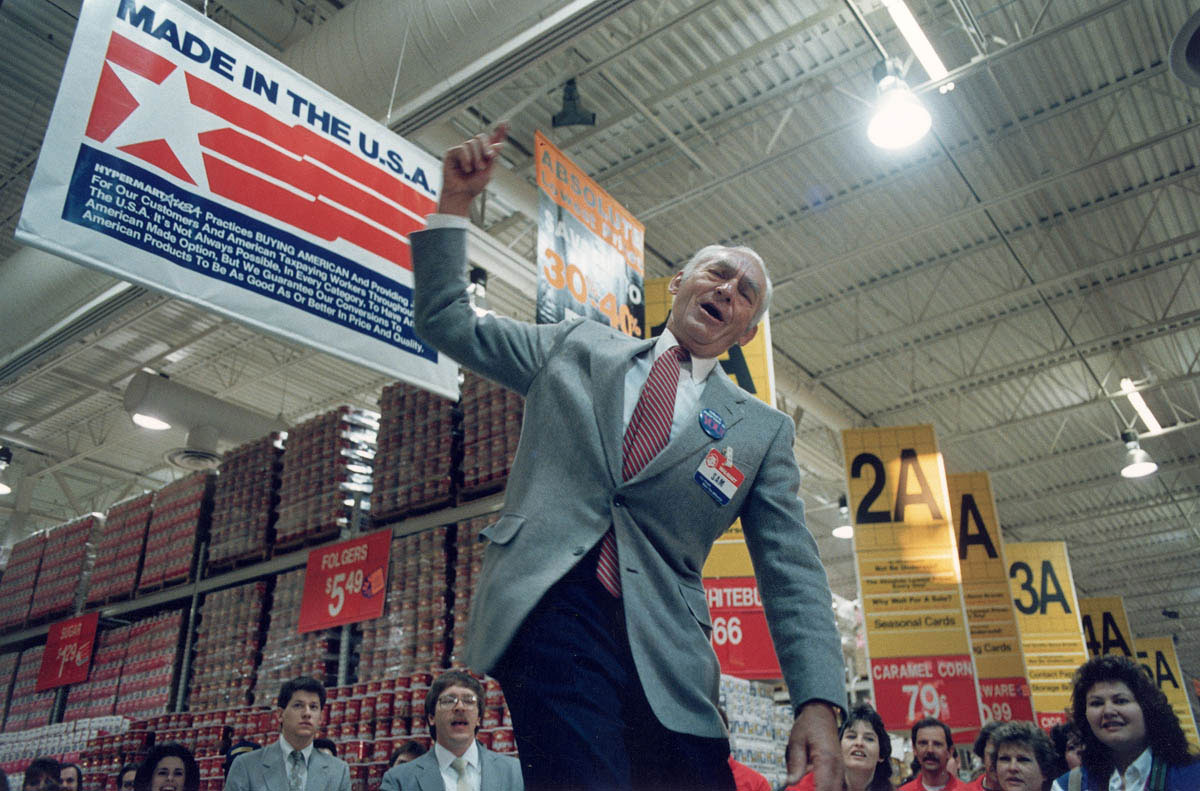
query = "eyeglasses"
{"x": 450, "y": 701}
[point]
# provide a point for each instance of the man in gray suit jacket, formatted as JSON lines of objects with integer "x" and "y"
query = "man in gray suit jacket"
{"x": 457, "y": 762}
{"x": 292, "y": 763}
{"x": 590, "y": 609}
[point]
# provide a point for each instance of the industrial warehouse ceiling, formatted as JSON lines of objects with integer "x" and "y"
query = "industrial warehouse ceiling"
{"x": 997, "y": 280}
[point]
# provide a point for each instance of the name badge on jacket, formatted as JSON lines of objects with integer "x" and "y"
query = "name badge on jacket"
{"x": 717, "y": 476}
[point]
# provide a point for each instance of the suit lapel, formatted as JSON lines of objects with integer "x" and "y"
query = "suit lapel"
{"x": 272, "y": 768}
{"x": 318, "y": 768}
{"x": 720, "y": 395}
{"x": 607, "y": 370}
{"x": 486, "y": 781}
{"x": 430, "y": 776}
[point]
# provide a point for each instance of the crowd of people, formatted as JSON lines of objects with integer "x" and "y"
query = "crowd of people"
{"x": 1122, "y": 736}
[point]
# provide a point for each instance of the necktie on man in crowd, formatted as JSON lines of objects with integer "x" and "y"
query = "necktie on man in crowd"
{"x": 294, "y": 778}
{"x": 647, "y": 434}
{"x": 459, "y": 765}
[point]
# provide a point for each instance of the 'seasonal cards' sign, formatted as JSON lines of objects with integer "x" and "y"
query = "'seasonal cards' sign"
{"x": 1043, "y": 593}
{"x": 1003, "y": 685}
{"x": 181, "y": 158}
{"x": 918, "y": 646}
{"x": 68, "y": 655}
{"x": 345, "y": 582}
{"x": 590, "y": 260}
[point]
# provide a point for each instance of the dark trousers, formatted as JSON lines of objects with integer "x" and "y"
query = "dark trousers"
{"x": 579, "y": 714}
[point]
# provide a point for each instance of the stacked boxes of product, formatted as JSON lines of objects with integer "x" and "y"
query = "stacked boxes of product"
{"x": 8, "y": 668}
{"x": 758, "y": 727}
{"x": 68, "y": 741}
{"x": 201, "y": 735}
{"x": 491, "y": 426}
{"x": 27, "y": 708}
{"x": 150, "y": 662}
{"x": 467, "y": 563}
{"x": 429, "y": 570}
{"x": 388, "y": 647}
{"x": 97, "y": 696}
{"x": 118, "y": 743}
{"x": 179, "y": 521}
{"x": 119, "y": 550}
{"x": 327, "y": 467}
{"x": 244, "y": 498}
{"x": 17, "y": 584}
{"x": 362, "y": 720}
{"x": 228, "y": 639}
{"x": 67, "y": 553}
{"x": 415, "y": 466}
{"x": 287, "y": 654}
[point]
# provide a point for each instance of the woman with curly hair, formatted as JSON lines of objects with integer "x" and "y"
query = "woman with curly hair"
{"x": 168, "y": 767}
{"x": 1131, "y": 738}
{"x": 866, "y": 753}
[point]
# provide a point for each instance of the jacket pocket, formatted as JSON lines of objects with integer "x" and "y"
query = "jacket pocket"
{"x": 697, "y": 602}
{"x": 503, "y": 530}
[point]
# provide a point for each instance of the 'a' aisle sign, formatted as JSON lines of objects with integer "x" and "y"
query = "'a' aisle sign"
{"x": 1158, "y": 658}
{"x": 1043, "y": 592}
{"x": 1105, "y": 626}
{"x": 1003, "y": 685}
{"x": 181, "y": 158}
{"x": 918, "y": 647}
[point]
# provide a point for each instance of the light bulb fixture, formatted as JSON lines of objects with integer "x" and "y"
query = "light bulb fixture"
{"x": 845, "y": 530}
{"x": 900, "y": 119}
{"x": 572, "y": 112}
{"x": 1138, "y": 463}
{"x": 149, "y": 422}
{"x": 5, "y": 460}
{"x": 1139, "y": 405}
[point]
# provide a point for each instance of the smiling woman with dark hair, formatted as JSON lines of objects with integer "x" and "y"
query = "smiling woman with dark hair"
{"x": 168, "y": 767}
{"x": 1131, "y": 737}
{"x": 866, "y": 753}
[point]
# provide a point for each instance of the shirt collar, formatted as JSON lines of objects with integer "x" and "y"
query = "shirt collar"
{"x": 1135, "y": 776}
{"x": 701, "y": 367}
{"x": 445, "y": 757}
{"x": 287, "y": 749}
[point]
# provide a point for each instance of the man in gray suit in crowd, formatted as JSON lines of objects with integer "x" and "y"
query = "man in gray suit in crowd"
{"x": 635, "y": 456}
{"x": 457, "y": 762}
{"x": 292, "y": 763}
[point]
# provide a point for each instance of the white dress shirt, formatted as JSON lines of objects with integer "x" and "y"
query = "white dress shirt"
{"x": 449, "y": 775}
{"x": 1136, "y": 775}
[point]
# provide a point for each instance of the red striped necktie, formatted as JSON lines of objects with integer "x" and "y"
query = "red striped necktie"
{"x": 647, "y": 434}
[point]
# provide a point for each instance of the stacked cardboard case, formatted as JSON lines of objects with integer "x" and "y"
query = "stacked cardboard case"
{"x": 28, "y": 708}
{"x": 119, "y": 546}
{"x": 117, "y": 743}
{"x": 67, "y": 549}
{"x": 287, "y": 654}
{"x": 97, "y": 697}
{"x": 228, "y": 639}
{"x": 388, "y": 647}
{"x": 244, "y": 498}
{"x": 491, "y": 427}
{"x": 150, "y": 662}
{"x": 179, "y": 521}
{"x": 20, "y": 579}
{"x": 415, "y": 465}
{"x": 327, "y": 469}
{"x": 8, "y": 669}
{"x": 758, "y": 727}
{"x": 467, "y": 564}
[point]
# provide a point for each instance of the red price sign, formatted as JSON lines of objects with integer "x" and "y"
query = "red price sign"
{"x": 346, "y": 582}
{"x": 910, "y": 688}
{"x": 68, "y": 654}
{"x": 739, "y": 629}
{"x": 1005, "y": 700}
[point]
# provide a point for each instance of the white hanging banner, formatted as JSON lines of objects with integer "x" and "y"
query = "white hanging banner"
{"x": 182, "y": 158}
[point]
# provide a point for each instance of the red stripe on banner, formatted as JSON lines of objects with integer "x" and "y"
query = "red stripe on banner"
{"x": 112, "y": 105}
{"x": 159, "y": 153}
{"x": 307, "y": 177}
{"x": 138, "y": 59}
{"x": 319, "y": 219}
{"x": 304, "y": 142}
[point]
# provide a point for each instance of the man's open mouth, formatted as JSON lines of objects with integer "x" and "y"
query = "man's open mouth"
{"x": 712, "y": 310}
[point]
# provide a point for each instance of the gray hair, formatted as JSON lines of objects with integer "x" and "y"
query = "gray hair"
{"x": 715, "y": 252}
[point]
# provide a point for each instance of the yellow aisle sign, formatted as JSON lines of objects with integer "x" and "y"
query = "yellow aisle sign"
{"x": 1158, "y": 658}
{"x": 752, "y": 368}
{"x": 1105, "y": 627}
{"x": 1003, "y": 685}
{"x": 1043, "y": 593}
{"x": 918, "y": 647}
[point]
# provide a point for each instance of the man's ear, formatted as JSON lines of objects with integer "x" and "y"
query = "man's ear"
{"x": 673, "y": 283}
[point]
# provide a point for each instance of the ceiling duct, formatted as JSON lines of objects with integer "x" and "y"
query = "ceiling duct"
{"x": 206, "y": 418}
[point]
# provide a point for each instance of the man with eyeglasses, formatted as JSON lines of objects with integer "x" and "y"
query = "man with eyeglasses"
{"x": 457, "y": 762}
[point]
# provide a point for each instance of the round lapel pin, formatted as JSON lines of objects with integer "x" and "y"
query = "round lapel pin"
{"x": 712, "y": 423}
